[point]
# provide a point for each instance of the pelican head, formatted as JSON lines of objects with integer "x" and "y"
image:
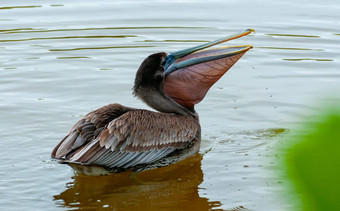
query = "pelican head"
{"x": 150, "y": 74}
{"x": 175, "y": 82}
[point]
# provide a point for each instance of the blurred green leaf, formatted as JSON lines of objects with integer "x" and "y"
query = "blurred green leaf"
{"x": 313, "y": 162}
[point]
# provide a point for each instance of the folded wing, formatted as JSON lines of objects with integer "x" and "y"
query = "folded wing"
{"x": 134, "y": 137}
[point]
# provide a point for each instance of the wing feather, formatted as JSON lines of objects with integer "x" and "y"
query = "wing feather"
{"x": 129, "y": 139}
{"x": 101, "y": 159}
{"x": 88, "y": 128}
{"x": 98, "y": 155}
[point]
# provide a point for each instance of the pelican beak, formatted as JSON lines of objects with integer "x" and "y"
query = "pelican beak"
{"x": 191, "y": 56}
{"x": 191, "y": 72}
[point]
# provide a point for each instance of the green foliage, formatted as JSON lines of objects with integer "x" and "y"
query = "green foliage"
{"x": 313, "y": 163}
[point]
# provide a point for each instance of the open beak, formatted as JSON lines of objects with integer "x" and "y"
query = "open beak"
{"x": 191, "y": 72}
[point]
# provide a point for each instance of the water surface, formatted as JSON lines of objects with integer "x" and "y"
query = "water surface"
{"x": 62, "y": 59}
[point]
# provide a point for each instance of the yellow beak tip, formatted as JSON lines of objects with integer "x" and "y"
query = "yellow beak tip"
{"x": 251, "y": 30}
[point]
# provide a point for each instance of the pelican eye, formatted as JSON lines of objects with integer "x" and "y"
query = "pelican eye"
{"x": 163, "y": 62}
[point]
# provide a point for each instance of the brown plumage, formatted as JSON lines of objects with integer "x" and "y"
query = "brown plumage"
{"x": 116, "y": 138}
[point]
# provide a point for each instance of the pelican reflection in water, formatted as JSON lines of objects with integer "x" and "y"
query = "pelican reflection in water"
{"x": 117, "y": 138}
{"x": 174, "y": 187}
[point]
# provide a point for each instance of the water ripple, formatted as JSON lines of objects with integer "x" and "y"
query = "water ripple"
{"x": 68, "y": 37}
{"x": 293, "y": 35}
{"x": 105, "y": 47}
{"x": 291, "y": 49}
{"x": 309, "y": 59}
{"x": 19, "y": 7}
{"x": 32, "y": 30}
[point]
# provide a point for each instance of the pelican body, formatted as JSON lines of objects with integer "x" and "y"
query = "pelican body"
{"x": 116, "y": 138}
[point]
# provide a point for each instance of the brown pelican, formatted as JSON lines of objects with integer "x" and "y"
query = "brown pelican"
{"x": 116, "y": 138}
